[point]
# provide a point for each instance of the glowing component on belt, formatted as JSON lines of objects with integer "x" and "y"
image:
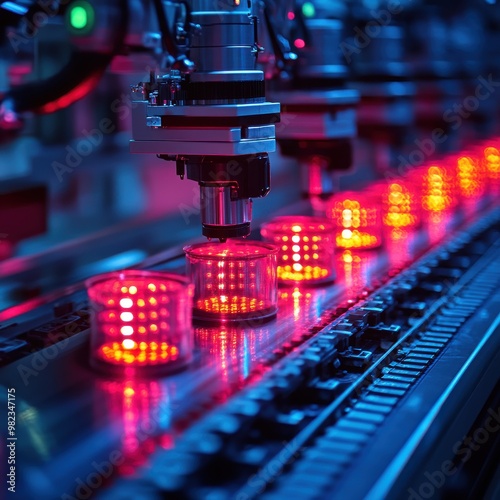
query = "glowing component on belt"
{"x": 233, "y": 281}
{"x": 437, "y": 189}
{"x": 306, "y": 246}
{"x": 357, "y": 220}
{"x": 470, "y": 177}
{"x": 140, "y": 320}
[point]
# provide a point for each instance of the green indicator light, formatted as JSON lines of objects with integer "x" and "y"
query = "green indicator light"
{"x": 78, "y": 17}
{"x": 308, "y": 9}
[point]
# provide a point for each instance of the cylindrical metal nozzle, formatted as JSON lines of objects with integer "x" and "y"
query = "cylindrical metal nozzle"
{"x": 221, "y": 216}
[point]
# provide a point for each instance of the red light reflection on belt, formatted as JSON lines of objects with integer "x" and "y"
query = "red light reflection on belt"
{"x": 353, "y": 271}
{"x": 136, "y": 408}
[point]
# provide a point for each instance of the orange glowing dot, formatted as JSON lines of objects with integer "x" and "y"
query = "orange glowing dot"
{"x": 296, "y": 248}
{"x": 152, "y": 301}
{"x": 141, "y": 329}
{"x": 152, "y": 287}
{"x": 153, "y": 327}
{"x": 297, "y": 267}
{"x": 141, "y": 302}
{"x": 295, "y": 238}
{"x": 124, "y": 289}
{"x": 133, "y": 290}
{"x": 128, "y": 392}
{"x": 347, "y": 257}
{"x": 296, "y": 229}
{"x": 296, "y": 257}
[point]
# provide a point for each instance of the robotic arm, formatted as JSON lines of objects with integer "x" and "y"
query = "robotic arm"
{"x": 205, "y": 108}
{"x": 208, "y": 111}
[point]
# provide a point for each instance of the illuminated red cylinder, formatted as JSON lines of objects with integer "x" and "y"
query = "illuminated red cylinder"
{"x": 470, "y": 175}
{"x": 306, "y": 247}
{"x": 490, "y": 157}
{"x": 437, "y": 187}
{"x": 140, "y": 320}
{"x": 233, "y": 281}
{"x": 401, "y": 207}
{"x": 491, "y": 160}
{"x": 357, "y": 220}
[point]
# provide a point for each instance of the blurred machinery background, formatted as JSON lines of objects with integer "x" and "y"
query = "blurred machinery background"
{"x": 370, "y": 128}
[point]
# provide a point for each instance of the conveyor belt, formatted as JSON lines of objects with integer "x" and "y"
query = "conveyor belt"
{"x": 345, "y": 358}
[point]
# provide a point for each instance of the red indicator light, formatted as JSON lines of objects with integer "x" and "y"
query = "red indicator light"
{"x": 299, "y": 43}
{"x": 140, "y": 319}
{"x": 306, "y": 246}
{"x": 291, "y": 15}
{"x": 234, "y": 281}
{"x": 357, "y": 219}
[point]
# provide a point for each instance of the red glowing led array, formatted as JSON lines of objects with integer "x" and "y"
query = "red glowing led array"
{"x": 233, "y": 281}
{"x": 400, "y": 204}
{"x": 140, "y": 319}
{"x": 489, "y": 156}
{"x": 437, "y": 187}
{"x": 357, "y": 219}
{"x": 306, "y": 246}
{"x": 491, "y": 161}
{"x": 470, "y": 176}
